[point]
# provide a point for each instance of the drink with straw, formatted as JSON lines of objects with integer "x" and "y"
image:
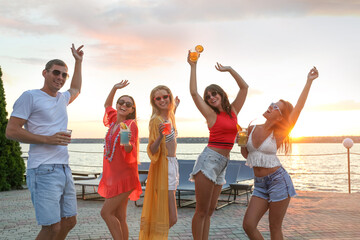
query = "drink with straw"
{"x": 124, "y": 134}
{"x": 242, "y": 139}
{"x": 242, "y": 136}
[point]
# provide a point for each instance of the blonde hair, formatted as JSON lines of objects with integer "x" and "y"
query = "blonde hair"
{"x": 156, "y": 110}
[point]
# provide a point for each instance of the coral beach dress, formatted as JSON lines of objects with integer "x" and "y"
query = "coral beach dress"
{"x": 120, "y": 169}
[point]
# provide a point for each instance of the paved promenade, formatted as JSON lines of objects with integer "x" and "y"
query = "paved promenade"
{"x": 311, "y": 215}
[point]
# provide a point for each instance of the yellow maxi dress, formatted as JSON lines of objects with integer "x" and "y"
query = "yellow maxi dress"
{"x": 155, "y": 214}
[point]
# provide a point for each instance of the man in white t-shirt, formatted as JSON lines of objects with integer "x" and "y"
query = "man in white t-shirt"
{"x": 39, "y": 117}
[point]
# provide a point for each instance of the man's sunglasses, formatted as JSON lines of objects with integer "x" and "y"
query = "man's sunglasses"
{"x": 127, "y": 104}
{"x": 163, "y": 97}
{"x": 213, "y": 94}
{"x": 57, "y": 73}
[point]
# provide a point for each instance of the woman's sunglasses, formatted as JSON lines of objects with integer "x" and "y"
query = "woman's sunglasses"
{"x": 127, "y": 104}
{"x": 57, "y": 73}
{"x": 163, "y": 97}
{"x": 275, "y": 107}
{"x": 213, "y": 94}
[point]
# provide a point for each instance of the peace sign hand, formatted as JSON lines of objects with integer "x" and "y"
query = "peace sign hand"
{"x": 77, "y": 53}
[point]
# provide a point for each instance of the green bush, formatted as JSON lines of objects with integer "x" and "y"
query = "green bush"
{"x": 12, "y": 167}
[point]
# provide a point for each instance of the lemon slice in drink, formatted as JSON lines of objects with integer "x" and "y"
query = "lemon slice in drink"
{"x": 199, "y": 48}
{"x": 123, "y": 125}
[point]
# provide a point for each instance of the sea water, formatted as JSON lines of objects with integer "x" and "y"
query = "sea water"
{"x": 312, "y": 166}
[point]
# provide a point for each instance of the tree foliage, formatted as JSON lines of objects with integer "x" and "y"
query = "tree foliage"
{"x": 12, "y": 165}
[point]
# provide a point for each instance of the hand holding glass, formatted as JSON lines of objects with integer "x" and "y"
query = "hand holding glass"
{"x": 195, "y": 53}
{"x": 167, "y": 128}
{"x": 242, "y": 138}
{"x": 66, "y": 132}
{"x": 124, "y": 136}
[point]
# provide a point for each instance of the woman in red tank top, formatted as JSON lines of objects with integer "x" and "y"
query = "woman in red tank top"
{"x": 210, "y": 167}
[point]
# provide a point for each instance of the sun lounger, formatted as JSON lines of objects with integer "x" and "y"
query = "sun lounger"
{"x": 185, "y": 168}
{"x": 246, "y": 173}
{"x": 94, "y": 183}
{"x": 231, "y": 175}
{"x": 143, "y": 178}
{"x": 84, "y": 175}
{"x": 185, "y": 186}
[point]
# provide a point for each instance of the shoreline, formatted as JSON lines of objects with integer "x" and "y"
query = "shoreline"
{"x": 320, "y": 139}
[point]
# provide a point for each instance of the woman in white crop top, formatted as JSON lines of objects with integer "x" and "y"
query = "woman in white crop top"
{"x": 273, "y": 185}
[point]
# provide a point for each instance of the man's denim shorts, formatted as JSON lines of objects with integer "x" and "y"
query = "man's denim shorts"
{"x": 212, "y": 164}
{"x": 274, "y": 187}
{"x": 53, "y": 192}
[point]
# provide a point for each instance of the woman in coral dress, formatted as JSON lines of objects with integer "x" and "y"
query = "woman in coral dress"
{"x": 120, "y": 178}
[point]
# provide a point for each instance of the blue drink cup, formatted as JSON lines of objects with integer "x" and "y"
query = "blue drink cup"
{"x": 124, "y": 137}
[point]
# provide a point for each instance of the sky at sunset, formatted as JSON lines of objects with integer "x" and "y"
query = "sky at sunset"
{"x": 272, "y": 44}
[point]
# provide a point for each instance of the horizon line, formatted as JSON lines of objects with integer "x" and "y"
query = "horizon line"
{"x": 336, "y": 136}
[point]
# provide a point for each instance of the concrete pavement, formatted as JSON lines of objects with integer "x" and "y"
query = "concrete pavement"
{"x": 311, "y": 215}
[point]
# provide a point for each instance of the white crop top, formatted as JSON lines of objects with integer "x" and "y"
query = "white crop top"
{"x": 263, "y": 156}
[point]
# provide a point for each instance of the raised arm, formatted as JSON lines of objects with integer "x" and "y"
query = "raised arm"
{"x": 109, "y": 100}
{"x": 76, "y": 80}
{"x": 313, "y": 74}
{"x": 205, "y": 110}
{"x": 177, "y": 102}
{"x": 241, "y": 96}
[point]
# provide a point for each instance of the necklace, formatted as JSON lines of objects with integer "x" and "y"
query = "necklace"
{"x": 109, "y": 151}
{"x": 110, "y": 148}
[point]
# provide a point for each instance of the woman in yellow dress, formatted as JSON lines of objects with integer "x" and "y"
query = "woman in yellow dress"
{"x": 163, "y": 177}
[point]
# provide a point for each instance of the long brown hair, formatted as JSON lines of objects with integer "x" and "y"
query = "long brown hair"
{"x": 225, "y": 104}
{"x": 283, "y": 128}
{"x": 133, "y": 114}
{"x": 156, "y": 110}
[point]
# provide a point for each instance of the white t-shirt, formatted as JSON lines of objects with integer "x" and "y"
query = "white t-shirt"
{"x": 45, "y": 115}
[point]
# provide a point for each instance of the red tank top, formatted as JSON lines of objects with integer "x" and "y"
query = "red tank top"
{"x": 223, "y": 133}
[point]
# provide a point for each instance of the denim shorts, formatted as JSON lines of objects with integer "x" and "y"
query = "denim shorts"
{"x": 274, "y": 187}
{"x": 212, "y": 164}
{"x": 173, "y": 173}
{"x": 53, "y": 192}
